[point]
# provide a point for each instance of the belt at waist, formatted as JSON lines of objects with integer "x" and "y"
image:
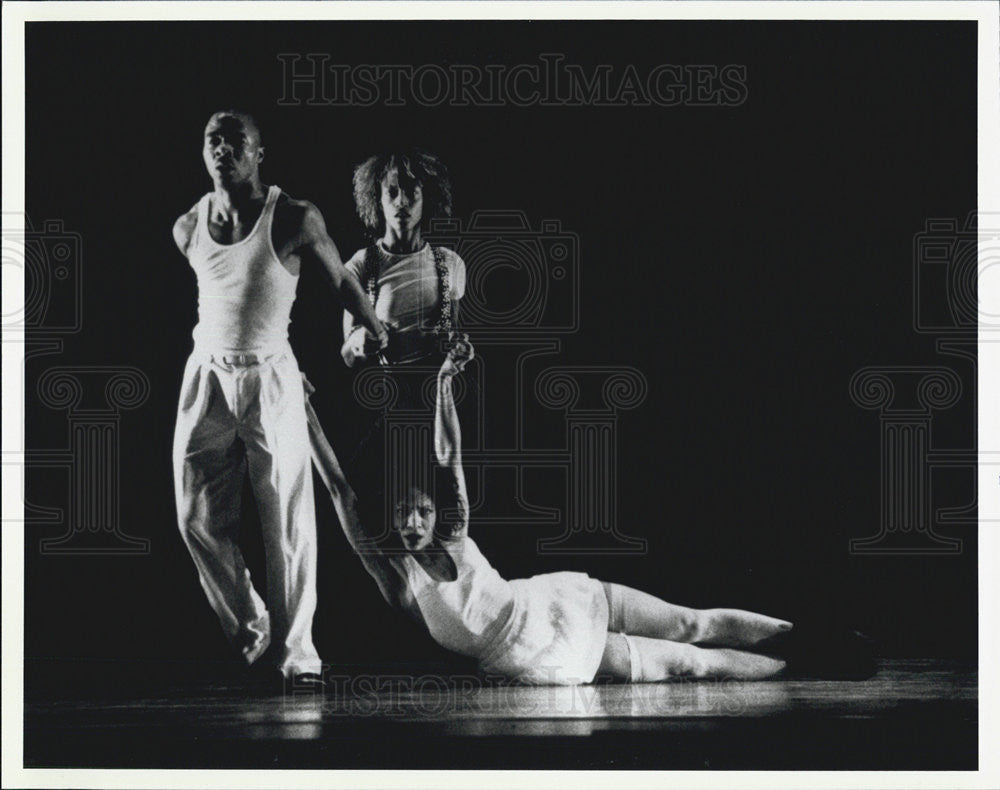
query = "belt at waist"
{"x": 242, "y": 358}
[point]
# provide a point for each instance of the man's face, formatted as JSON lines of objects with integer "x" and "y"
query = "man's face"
{"x": 402, "y": 202}
{"x": 414, "y": 517}
{"x": 232, "y": 149}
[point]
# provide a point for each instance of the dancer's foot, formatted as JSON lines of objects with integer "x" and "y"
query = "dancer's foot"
{"x": 738, "y": 628}
{"x": 306, "y": 683}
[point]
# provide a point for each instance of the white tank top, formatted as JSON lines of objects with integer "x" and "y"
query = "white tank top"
{"x": 245, "y": 295}
{"x": 468, "y": 614}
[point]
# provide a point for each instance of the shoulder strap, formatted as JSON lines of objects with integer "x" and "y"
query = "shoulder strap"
{"x": 273, "y": 193}
{"x": 443, "y": 327}
{"x": 201, "y": 225}
{"x": 203, "y": 208}
{"x": 266, "y": 221}
{"x": 369, "y": 268}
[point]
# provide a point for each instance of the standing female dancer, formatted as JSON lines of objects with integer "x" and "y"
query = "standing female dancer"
{"x": 552, "y": 629}
{"x": 415, "y": 288}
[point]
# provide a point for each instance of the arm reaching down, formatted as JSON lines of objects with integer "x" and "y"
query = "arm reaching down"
{"x": 365, "y": 545}
{"x": 320, "y": 246}
{"x": 354, "y": 340}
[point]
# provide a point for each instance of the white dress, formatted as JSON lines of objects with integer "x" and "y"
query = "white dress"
{"x": 546, "y": 630}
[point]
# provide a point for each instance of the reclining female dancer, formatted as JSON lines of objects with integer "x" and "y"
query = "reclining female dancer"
{"x": 558, "y": 628}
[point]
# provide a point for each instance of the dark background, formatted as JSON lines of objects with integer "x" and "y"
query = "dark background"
{"x": 748, "y": 260}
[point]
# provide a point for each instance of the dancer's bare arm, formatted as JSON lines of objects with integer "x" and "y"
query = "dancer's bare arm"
{"x": 353, "y": 347}
{"x": 448, "y": 436}
{"x": 345, "y": 503}
{"x": 318, "y": 246}
{"x": 184, "y": 229}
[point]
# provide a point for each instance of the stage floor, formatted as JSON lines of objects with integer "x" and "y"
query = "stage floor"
{"x": 914, "y": 714}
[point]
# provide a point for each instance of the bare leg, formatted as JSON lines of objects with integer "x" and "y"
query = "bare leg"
{"x": 643, "y": 660}
{"x": 635, "y": 612}
{"x": 739, "y": 628}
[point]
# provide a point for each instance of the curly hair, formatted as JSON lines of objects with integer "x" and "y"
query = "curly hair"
{"x": 421, "y": 166}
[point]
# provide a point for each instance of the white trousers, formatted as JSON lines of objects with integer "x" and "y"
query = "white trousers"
{"x": 239, "y": 413}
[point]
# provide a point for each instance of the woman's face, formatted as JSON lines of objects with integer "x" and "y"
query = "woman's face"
{"x": 402, "y": 203}
{"x": 413, "y": 518}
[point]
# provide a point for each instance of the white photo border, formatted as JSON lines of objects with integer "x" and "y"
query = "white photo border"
{"x": 15, "y": 17}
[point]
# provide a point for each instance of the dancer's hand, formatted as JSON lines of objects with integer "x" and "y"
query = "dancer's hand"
{"x": 459, "y": 354}
{"x": 361, "y": 343}
{"x": 354, "y": 347}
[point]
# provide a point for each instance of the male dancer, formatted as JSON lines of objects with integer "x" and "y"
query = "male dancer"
{"x": 242, "y": 404}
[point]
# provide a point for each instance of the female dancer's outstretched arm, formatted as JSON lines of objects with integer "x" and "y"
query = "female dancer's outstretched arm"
{"x": 454, "y": 517}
